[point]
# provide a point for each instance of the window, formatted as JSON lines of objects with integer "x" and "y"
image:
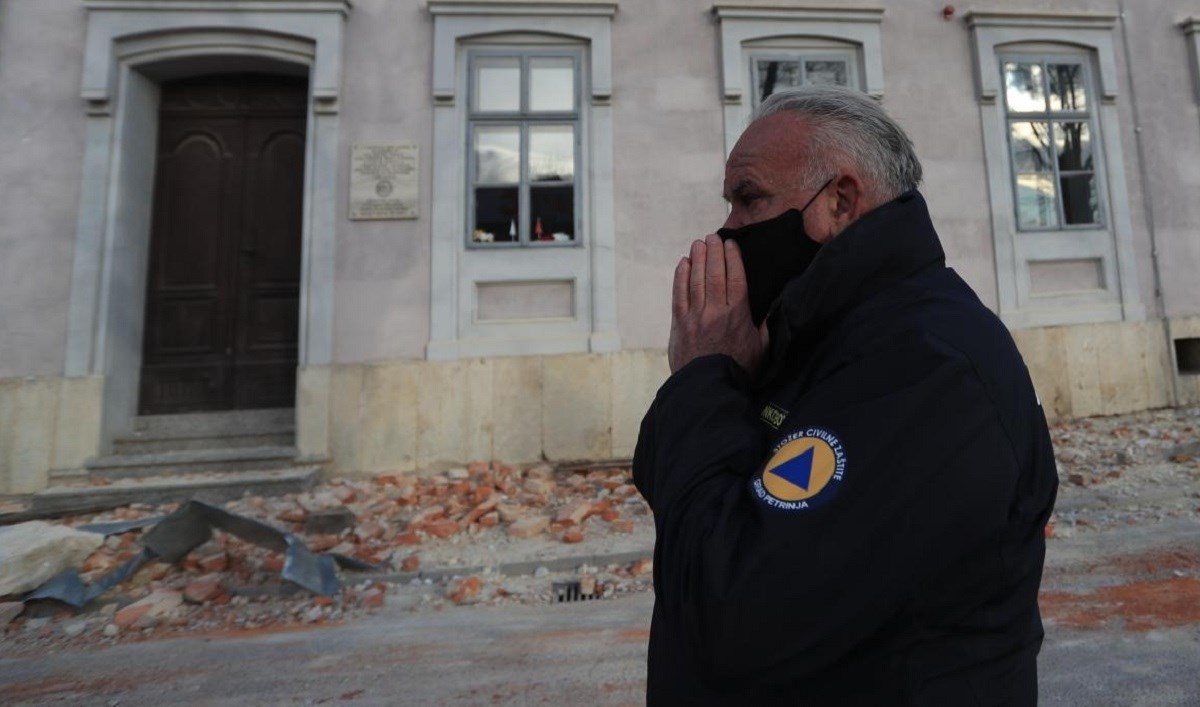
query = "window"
{"x": 1047, "y": 89}
{"x": 524, "y": 147}
{"x": 779, "y": 71}
{"x": 769, "y": 49}
{"x": 1050, "y": 131}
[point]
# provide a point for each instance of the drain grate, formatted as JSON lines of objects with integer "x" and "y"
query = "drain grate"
{"x": 571, "y": 590}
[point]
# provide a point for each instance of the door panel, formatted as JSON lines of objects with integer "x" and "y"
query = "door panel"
{"x": 222, "y": 301}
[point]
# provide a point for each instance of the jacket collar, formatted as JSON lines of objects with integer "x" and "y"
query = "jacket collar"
{"x": 885, "y": 246}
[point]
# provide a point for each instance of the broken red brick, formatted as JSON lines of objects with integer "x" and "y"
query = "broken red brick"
{"x": 625, "y": 490}
{"x": 321, "y": 543}
{"x": 426, "y": 515}
{"x": 387, "y": 479}
{"x": 510, "y": 512}
{"x": 372, "y": 598}
{"x": 407, "y": 539}
{"x": 641, "y": 567}
{"x": 489, "y": 520}
{"x": 461, "y": 591}
{"x": 481, "y": 494}
{"x": 610, "y": 514}
{"x": 574, "y": 513}
{"x": 411, "y": 563}
{"x": 272, "y": 563}
{"x": 323, "y": 601}
{"x": 216, "y": 562}
{"x": 344, "y": 494}
{"x": 292, "y": 515}
{"x": 573, "y": 535}
{"x": 480, "y": 510}
{"x": 442, "y": 528}
{"x": 528, "y": 527}
{"x": 202, "y": 589}
{"x": 623, "y": 525}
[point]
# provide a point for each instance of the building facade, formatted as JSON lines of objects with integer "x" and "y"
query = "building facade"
{"x": 444, "y": 230}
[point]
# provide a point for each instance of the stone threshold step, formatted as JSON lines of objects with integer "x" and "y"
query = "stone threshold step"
{"x": 212, "y": 487}
{"x": 138, "y": 443}
{"x": 213, "y": 423}
{"x": 124, "y": 466}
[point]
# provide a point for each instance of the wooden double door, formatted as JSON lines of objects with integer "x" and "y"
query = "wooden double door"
{"x": 222, "y": 304}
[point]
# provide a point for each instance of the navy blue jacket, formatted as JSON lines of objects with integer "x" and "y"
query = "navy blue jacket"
{"x": 862, "y": 524}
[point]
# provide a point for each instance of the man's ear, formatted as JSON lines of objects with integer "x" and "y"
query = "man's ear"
{"x": 851, "y": 202}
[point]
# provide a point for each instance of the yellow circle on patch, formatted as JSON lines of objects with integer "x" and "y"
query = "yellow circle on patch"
{"x": 800, "y": 469}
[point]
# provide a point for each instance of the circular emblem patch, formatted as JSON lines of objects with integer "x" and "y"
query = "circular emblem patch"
{"x": 804, "y": 471}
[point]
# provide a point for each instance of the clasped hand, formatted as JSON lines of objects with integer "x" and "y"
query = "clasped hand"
{"x": 710, "y": 308}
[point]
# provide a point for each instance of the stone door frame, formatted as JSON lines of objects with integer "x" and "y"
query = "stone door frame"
{"x": 131, "y": 46}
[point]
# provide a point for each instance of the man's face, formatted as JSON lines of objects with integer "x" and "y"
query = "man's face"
{"x": 762, "y": 177}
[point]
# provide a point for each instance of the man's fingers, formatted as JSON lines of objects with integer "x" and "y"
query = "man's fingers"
{"x": 735, "y": 274}
{"x": 679, "y": 289}
{"x": 714, "y": 270}
{"x": 696, "y": 278}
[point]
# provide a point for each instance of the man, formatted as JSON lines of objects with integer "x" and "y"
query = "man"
{"x": 849, "y": 470}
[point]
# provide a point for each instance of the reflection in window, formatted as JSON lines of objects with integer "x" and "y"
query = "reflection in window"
{"x": 1050, "y": 137}
{"x": 779, "y": 73}
{"x": 524, "y": 126}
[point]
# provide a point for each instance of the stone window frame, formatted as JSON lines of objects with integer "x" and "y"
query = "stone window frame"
{"x": 741, "y": 27}
{"x": 455, "y": 328}
{"x": 1082, "y": 36}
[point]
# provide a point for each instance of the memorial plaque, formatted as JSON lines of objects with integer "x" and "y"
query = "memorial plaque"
{"x": 383, "y": 181}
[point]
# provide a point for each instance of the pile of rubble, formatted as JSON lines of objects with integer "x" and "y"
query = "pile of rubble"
{"x": 1127, "y": 469}
{"x": 486, "y": 534}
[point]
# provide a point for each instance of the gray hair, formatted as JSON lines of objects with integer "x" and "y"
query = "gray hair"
{"x": 846, "y": 122}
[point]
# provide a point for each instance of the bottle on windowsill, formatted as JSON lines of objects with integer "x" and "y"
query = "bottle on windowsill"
{"x": 538, "y": 234}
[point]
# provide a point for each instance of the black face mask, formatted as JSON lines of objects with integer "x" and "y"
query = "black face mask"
{"x": 773, "y": 251}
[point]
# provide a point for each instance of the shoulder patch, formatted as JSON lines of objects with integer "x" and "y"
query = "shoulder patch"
{"x": 804, "y": 471}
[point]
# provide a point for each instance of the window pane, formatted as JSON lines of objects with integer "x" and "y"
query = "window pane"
{"x": 498, "y": 84}
{"x": 497, "y": 154}
{"x": 551, "y": 153}
{"x": 1073, "y": 143}
{"x": 826, "y": 73}
{"x": 496, "y": 215}
{"x": 1066, "y": 87}
{"x": 553, "y": 212}
{"x": 1031, "y": 147}
{"x": 1035, "y": 201}
{"x": 1080, "y": 205}
{"x": 1024, "y": 88}
{"x": 775, "y": 75}
{"x": 552, "y": 84}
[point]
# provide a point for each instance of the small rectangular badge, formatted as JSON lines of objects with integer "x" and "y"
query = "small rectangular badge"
{"x": 773, "y": 415}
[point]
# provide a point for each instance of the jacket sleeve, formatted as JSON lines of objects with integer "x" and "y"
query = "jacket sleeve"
{"x": 745, "y": 587}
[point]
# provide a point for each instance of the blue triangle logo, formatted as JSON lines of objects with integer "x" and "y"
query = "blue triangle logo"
{"x": 797, "y": 470}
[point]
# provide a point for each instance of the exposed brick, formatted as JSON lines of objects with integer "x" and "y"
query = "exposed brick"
{"x": 572, "y": 535}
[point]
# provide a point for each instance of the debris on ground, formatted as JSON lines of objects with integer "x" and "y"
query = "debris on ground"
{"x": 484, "y": 534}
{"x": 35, "y": 551}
